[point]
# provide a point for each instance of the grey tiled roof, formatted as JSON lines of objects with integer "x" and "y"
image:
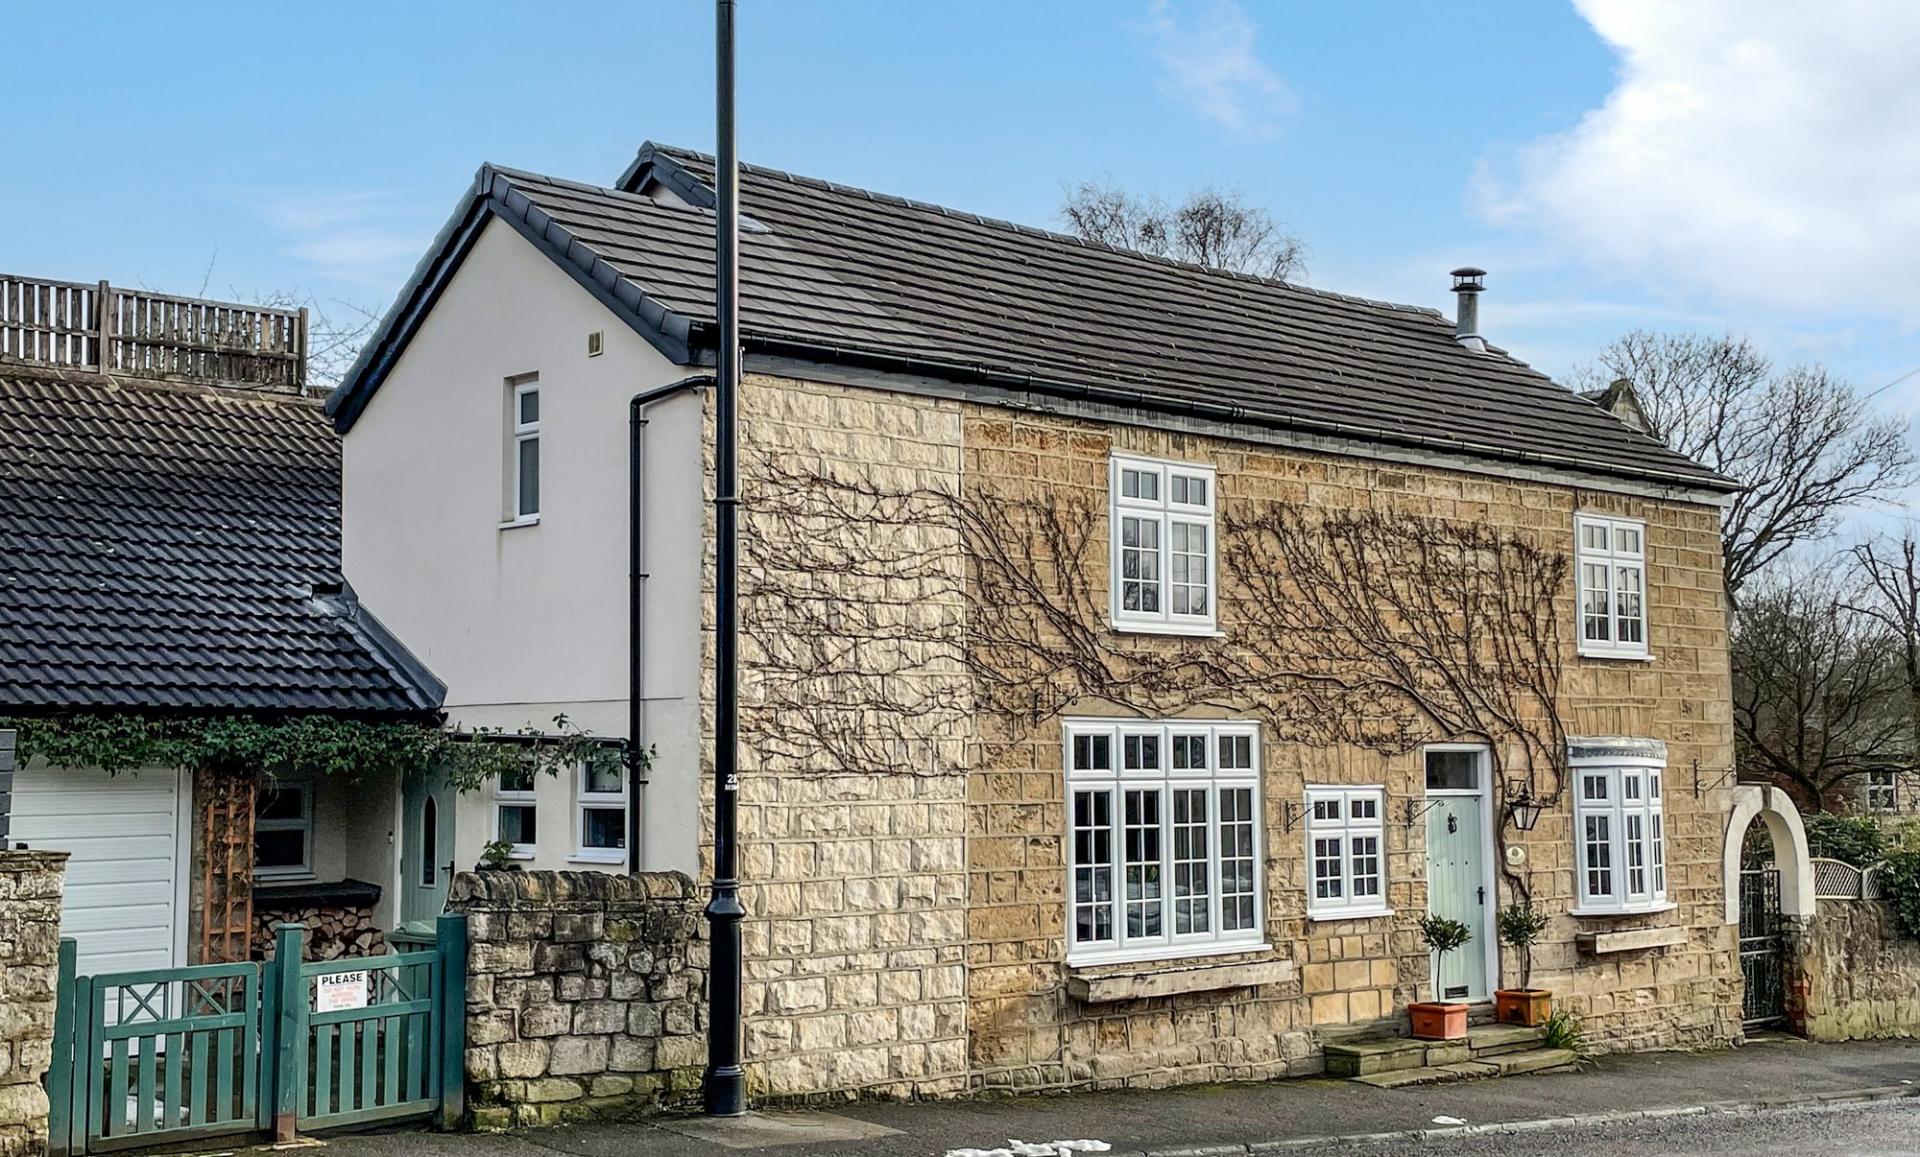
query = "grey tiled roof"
{"x": 160, "y": 546}
{"x": 843, "y": 274}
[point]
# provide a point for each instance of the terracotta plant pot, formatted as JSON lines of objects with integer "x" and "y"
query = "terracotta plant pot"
{"x": 1522, "y": 1006}
{"x": 1433, "y": 1020}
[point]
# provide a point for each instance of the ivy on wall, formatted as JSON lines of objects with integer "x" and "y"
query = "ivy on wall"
{"x": 306, "y": 745}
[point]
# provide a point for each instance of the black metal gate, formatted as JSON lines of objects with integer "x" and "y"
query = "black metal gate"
{"x": 1762, "y": 949}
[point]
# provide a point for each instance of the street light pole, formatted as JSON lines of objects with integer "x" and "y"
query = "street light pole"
{"x": 725, "y": 1084}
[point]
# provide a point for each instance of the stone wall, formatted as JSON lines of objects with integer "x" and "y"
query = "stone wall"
{"x": 853, "y": 797}
{"x": 1853, "y": 978}
{"x": 30, "y": 889}
{"x": 1026, "y": 1027}
{"x": 585, "y": 993}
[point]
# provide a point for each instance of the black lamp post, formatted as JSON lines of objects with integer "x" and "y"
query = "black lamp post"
{"x": 725, "y": 1085}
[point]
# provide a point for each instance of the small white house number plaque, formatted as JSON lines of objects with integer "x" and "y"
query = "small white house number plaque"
{"x": 338, "y": 991}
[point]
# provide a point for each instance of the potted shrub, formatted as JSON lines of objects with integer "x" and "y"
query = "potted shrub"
{"x": 1520, "y": 926}
{"x": 497, "y": 856}
{"x": 1440, "y": 1019}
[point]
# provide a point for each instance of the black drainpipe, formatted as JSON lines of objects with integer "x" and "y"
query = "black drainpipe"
{"x": 636, "y": 588}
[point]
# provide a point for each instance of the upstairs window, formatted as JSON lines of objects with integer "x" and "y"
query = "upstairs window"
{"x": 523, "y": 452}
{"x": 1164, "y": 841}
{"x": 1346, "y": 852}
{"x": 1612, "y": 570}
{"x": 1164, "y": 549}
{"x": 1620, "y": 830}
{"x": 1883, "y": 791}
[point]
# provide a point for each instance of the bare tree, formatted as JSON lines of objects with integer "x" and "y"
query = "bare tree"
{"x": 1818, "y": 694}
{"x": 1889, "y": 595}
{"x": 1807, "y": 447}
{"x": 336, "y": 329}
{"x": 1212, "y": 227}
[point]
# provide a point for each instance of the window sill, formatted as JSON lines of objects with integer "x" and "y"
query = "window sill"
{"x": 270, "y": 878}
{"x": 1189, "y": 630}
{"x": 613, "y": 856}
{"x": 1623, "y": 656}
{"x": 1159, "y": 953}
{"x": 1636, "y": 910}
{"x": 514, "y": 523}
{"x": 523, "y": 852}
{"x": 1147, "y": 981}
{"x": 1329, "y": 916}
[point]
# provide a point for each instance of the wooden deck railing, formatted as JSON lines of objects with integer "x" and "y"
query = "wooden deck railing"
{"x": 102, "y": 328}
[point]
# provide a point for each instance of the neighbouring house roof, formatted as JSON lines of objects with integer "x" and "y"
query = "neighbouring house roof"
{"x": 177, "y": 548}
{"x": 838, "y": 274}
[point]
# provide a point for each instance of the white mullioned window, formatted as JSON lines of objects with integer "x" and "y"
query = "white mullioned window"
{"x": 1611, "y": 566}
{"x": 1165, "y": 576}
{"x": 515, "y": 812}
{"x": 1346, "y": 852}
{"x": 1620, "y": 828}
{"x": 1883, "y": 790}
{"x": 1164, "y": 847}
{"x": 600, "y": 814}
{"x": 523, "y": 453}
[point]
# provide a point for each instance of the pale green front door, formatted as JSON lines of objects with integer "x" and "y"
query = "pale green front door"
{"x": 426, "y": 848}
{"x": 1458, "y": 884}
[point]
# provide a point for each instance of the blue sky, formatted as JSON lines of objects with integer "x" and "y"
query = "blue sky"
{"x": 1735, "y": 164}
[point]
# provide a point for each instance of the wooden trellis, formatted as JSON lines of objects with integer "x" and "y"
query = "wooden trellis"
{"x": 226, "y": 832}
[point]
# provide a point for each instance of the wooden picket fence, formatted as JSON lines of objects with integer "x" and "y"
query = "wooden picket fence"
{"x": 161, "y": 1056}
{"x": 108, "y": 329}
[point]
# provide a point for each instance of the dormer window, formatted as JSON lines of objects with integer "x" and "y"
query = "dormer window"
{"x": 1164, "y": 548}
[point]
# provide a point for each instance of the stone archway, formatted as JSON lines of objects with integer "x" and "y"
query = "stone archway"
{"x": 1774, "y": 808}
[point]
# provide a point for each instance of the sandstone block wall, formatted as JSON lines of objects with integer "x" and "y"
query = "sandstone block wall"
{"x": 585, "y": 993}
{"x": 1851, "y": 977}
{"x": 30, "y": 889}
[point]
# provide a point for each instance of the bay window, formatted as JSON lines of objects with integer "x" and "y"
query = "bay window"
{"x": 1164, "y": 548}
{"x": 1620, "y": 828}
{"x": 1164, "y": 843}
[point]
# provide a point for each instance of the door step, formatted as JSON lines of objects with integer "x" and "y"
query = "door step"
{"x": 1488, "y": 1051}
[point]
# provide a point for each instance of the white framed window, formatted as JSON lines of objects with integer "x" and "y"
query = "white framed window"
{"x": 523, "y": 451}
{"x": 600, "y": 814}
{"x": 1620, "y": 830}
{"x": 516, "y": 814}
{"x": 1164, "y": 847}
{"x": 1611, "y": 569}
{"x": 283, "y": 829}
{"x": 1883, "y": 790}
{"x": 1165, "y": 576}
{"x": 1346, "y": 852}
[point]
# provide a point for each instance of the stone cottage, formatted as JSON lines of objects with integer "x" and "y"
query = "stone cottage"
{"x": 1133, "y": 652}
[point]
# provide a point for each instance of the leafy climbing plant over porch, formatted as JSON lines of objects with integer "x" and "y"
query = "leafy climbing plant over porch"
{"x": 304, "y": 745}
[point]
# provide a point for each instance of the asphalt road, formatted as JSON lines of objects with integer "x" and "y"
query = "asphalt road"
{"x": 1874, "y": 1129}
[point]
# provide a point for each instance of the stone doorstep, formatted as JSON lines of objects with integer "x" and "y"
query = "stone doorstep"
{"x": 1358, "y": 1058}
{"x": 1536, "y": 1060}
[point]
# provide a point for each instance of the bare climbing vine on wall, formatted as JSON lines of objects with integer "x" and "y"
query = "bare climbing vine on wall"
{"x": 886, "y": 615}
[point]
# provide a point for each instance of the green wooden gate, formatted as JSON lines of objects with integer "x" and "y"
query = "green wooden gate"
{"x": 168, "y": 1055}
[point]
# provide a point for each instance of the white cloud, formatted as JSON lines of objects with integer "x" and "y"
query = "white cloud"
{"x": 1207, "y": 60}
{"x": 367, "y": 238}
{"x": 1763, "y": 151}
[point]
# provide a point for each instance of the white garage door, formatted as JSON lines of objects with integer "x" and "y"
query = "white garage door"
{"x": 125, "y": 905}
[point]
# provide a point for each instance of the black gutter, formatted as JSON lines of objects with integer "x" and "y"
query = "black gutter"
{"x": 636, "y": 586}
{"x": 725, "y": 1085}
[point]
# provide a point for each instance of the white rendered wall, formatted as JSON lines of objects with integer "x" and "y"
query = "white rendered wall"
{"x": 529, "y": 622}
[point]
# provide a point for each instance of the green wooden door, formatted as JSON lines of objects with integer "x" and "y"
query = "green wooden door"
{"x": 1457, "y": 888}
{"x": 426, "y": 850}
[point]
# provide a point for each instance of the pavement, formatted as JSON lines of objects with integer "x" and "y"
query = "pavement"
{"x": 1657, "y": 1094}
